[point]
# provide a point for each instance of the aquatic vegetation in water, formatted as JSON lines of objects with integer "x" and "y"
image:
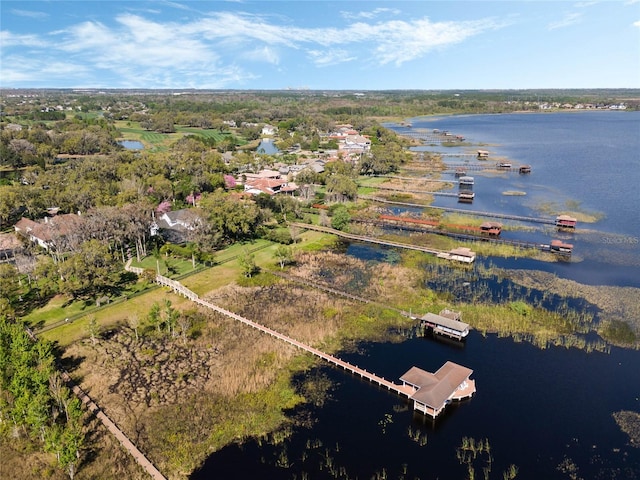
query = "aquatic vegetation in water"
{"x": 492, "y": 302}
{"x": 417, "y": 436}
{"x": 472, "y": 451}
{"x": 617, "y": 305}
{"x": 571, "y": 207}
{"x": 629, "y": 423}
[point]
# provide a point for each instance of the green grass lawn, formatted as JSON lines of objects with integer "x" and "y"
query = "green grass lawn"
{"x": 161, "y": 141}
{"x": 168, "y": 266}
{"x": 112, "y": 315}
{"x": 366, "y": 181}
{"x": 227, "y": 270}
{"x": 56, "y": 310}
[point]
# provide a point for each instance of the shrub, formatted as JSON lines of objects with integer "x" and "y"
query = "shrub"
{"x": 618, "y": 332}
{"x": 521, "y": 308}
{"x": 340, "y": 218}
{"x": 278, "y": 235}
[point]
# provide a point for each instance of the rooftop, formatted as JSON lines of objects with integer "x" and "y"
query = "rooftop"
{"x": 434, "y": 389}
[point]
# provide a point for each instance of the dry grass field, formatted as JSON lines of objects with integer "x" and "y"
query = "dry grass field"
{"x": 180, "y": 399}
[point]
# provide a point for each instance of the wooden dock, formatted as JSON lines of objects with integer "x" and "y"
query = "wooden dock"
{"x": 419, "y": 192}
{"x": 543, "y": 220}
{"x": 180, "y": 289}
{"x": 362, "y": 238}
{"x": 400, "y": 389}
{"x": 111, "y": 426}
{"x": 432, "y": 229}
{"x": 414, "y": 179}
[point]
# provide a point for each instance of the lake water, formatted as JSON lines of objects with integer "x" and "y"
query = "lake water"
{"x": 549, "y": 412}
{"x": 132, "y": 144}
{"x": 267, "y": 147}
{"x": 588, "y": 158}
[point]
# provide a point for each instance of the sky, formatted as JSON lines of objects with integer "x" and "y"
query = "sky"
{"x": 320, "y": 45}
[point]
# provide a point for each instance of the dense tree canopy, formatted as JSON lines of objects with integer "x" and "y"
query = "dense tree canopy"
{"x": 34, "y": 401}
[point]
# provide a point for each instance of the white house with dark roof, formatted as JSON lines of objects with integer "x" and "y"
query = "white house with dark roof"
{"x": 269, "y": 130}
{"x": 175, "y": 226}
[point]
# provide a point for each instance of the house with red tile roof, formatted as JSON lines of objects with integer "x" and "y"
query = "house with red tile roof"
{"x": 270, "y": 186}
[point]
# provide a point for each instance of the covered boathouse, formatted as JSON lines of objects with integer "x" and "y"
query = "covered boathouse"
{"x": 432, "y": 392}
{"x": 560, "y": 247}
{"x": 491, "y": 228}
{"x": 565, "y": 221}
{"x": 447, "y": 323}
{"x": 461, "y": 254}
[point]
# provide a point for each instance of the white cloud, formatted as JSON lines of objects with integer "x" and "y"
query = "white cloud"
{"x": 139, "y": 40}
{"x": 399, "y": 41}
{"x": 263, "y": 54}
{"x": 369, "y": 14}
{"x": 239, "y": 28}
{"x": 29, "y": 13}
{"x": 329, "y": 57}
{"x": 148, "y": 53}
{"x": 8, "y": 39}
{"x": 636, "y": 24}
{"x": 17, "y": 69}
{"x": 177, "y": 5}
{"x": 568, "y": 20}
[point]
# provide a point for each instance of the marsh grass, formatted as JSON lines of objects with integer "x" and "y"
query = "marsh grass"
{"x": 629, "y": 423}
{"x": 572, "y": 208}
{"x": 250, "y": 381}
{"x": 492, "y": 303}
{"x": 619, "y": 307}
{"x": 251, "y": 377}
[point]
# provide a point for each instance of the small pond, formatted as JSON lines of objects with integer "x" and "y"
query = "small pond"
{"x": 267, "y": 147}
{"x": 131, "y": 144}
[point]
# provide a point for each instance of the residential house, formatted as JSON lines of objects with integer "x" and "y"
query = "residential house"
{"x": 50, "y": 232}
{"x": 269, "y": 130}
{"x": 9, "y": 246}
{"x": 354, "y": 144}
{"x": 175, "y": 226}
{"x": 270, "y": 186}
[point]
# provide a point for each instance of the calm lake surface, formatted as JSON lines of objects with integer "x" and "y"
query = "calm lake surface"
{"x": 549, "y": 412}
{"x": 132, "y": 144}
{"x": 267, "y": 146}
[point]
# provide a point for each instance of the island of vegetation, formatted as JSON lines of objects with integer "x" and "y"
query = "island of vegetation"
{"x": 203, "y": 203}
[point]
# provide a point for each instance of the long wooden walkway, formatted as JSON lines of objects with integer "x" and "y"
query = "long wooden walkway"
{"x": 127, "y": 444}
{"x": 458, "y": 236}
{"x": 362, "y": 238}
{"x": 405, "y": 390}
{"x": 420, "y": 192}
{"x": 521, "y": 218}
{"x": 416, "y": 179}
{"x": 473, "y": 166}
{"x": 180, "y": 289}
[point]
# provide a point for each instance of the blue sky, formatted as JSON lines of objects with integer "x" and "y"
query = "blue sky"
{"x": 355, "y": 45}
